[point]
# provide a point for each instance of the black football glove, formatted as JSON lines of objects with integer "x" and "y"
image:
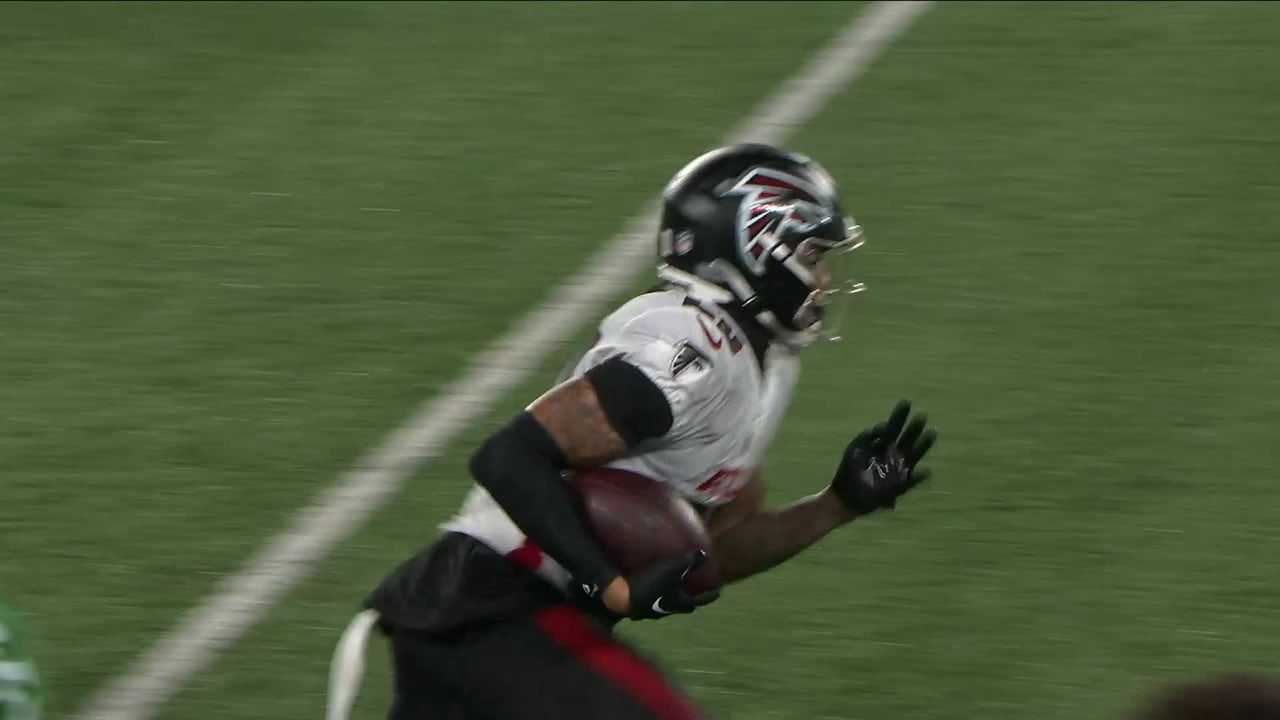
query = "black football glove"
{"x": 879, "y": 465}
{"x": 658, "y": 591}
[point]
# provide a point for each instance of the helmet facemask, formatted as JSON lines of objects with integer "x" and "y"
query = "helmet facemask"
{"x": 824, "y": 308}
{"x": 818, "y": 271}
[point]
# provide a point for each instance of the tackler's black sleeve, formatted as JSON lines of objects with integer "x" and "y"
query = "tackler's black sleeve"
{"x": 521, "y": 466}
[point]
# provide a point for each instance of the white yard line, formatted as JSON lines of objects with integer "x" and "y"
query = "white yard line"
{"x": 244, "y": 598}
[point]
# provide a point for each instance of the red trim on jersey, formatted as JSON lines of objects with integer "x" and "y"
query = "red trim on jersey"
{"x": 574, "y": 632}
{"x": 715, "y": 342}
{"x": 528, "y": 555}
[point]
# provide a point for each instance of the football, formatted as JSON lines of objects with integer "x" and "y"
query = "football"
{"x": 639, "y": 521}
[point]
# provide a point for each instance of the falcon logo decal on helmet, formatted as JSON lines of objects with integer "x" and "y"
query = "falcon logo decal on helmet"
{"x": 765, "y": 231}
{"x": 774, "y": 204}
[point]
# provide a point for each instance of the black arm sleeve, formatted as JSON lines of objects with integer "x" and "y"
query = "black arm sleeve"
{"x": 520, "y": 466}
{"x": 636, "y": 408}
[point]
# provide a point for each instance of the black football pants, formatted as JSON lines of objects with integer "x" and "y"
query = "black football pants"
{"x": 554, "y": 665}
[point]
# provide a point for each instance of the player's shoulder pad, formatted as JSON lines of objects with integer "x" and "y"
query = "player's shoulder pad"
{"x": 666, "y": 342}
{"x": 635, "y": 307}
{"x": 671, "y": 339}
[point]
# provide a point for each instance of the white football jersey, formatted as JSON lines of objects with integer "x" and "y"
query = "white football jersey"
{"x": 725, "y": 410}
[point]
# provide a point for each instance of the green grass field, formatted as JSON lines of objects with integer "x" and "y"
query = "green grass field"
{"x": 1072, "y": 212}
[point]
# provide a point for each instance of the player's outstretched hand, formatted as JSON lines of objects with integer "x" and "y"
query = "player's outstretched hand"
{"x": 880, "y": 465}
{"x": 658, "y": 591}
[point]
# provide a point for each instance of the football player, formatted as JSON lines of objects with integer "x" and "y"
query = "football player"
{"x": 509, "y": 613}
{"x": 19, "y": 681}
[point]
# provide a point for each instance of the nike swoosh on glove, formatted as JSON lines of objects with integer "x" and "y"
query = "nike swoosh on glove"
{"x": 658, "y": 591}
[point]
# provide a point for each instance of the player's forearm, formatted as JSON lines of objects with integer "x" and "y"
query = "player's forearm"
{"x": 520, "y": 467}
{"x": 771, "y": 537}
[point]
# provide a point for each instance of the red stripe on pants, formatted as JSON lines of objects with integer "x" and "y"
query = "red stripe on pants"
{"x": 575, "y": 633}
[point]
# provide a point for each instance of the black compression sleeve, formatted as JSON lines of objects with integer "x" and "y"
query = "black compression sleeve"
{"x": 636, "y": 408}
{"x": 520, "y": 466}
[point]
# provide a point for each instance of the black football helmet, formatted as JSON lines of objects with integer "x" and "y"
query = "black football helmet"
{"x": 762, "y": 227}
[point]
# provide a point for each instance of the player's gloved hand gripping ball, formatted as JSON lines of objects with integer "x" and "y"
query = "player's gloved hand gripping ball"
{"x": 659, "y": 590}
{"x": 880, "y": 464}
{"x": 654, "y": 537}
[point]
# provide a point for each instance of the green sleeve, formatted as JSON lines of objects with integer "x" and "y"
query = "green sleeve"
{"x": 20, "y": 695}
